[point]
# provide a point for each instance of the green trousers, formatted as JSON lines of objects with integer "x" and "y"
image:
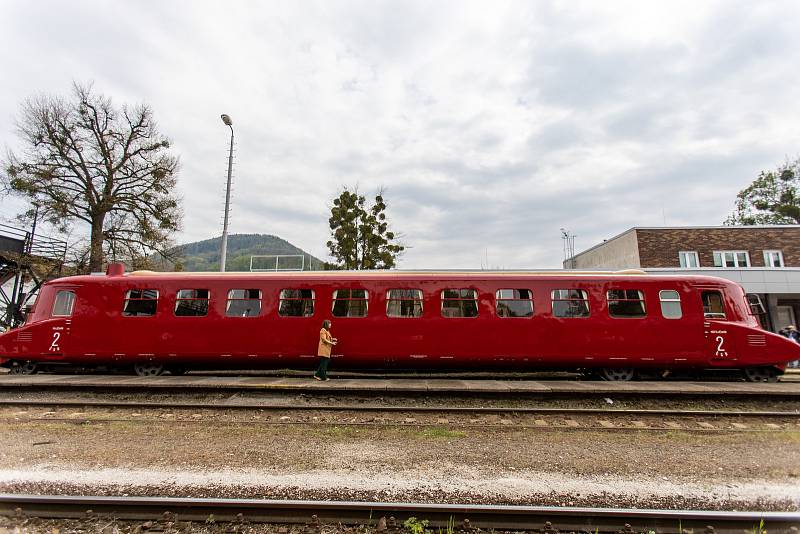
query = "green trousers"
{"x": 322, "y": 370}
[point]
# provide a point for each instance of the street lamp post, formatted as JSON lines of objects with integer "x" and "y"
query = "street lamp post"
{"x": 228, "y": 122}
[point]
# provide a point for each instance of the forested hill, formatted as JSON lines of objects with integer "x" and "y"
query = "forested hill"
{"x": 204, "y": 255}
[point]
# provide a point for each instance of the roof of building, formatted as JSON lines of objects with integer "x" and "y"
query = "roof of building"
{"x": 719, "y": 227}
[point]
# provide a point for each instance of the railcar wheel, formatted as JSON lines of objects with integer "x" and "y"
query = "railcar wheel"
{"x": 760, "y": 374}
{"x": 622, "y": 374}
{"x": 24, "y": 368}
{"x": 148, "y": 369}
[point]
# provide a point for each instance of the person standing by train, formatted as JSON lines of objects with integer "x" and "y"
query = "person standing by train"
{"x": 326, "y": 342}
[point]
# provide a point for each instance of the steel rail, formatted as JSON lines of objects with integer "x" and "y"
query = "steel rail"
{"x": 359, "y": 513}
{"x": 381, "y": 408}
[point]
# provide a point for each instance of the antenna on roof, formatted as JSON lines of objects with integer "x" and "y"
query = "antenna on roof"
{"x": 569, "y": 248}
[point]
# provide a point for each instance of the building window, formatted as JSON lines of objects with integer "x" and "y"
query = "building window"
{"x": 296, "y": 303}
{"x": 773, "y": 258}
{"x": 514, "y": 302}
{"x": 404, "y": 303}
{"x": 243, "y": 303}
{"x": 350, "y": 303}
{"x": 140, "y": 303}
{"x": 192, "y": 303}
{"x": 713, "y": 307}
{"x": 670, "y": 304}
{"x": 624, "y": 303}
{"x": 570, "y": 303}
{"x": 63, "y": 304}
{"x": 459, "y": 303}
{"x": 731, "y": 259}
{"x": 689, "y": 259}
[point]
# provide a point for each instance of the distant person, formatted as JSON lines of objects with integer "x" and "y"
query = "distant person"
{"x": 326, "y": 342}
{"x": 792, "y": 333}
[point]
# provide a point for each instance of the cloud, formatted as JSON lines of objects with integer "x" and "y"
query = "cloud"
{"x": 490, "y": 127}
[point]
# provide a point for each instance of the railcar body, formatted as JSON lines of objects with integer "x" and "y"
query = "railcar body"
{"x": 611, "y": 322}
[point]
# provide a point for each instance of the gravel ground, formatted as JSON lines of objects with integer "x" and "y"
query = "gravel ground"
{"x": 214, "y": 458}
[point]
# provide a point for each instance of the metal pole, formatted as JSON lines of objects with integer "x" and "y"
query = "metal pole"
{"x": 224, "y": 254}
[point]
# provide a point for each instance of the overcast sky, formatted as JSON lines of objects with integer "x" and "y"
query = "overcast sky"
{"x": 490, "y": 124}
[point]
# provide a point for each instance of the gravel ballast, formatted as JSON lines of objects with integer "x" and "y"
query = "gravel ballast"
{"x": 217, "y": 458}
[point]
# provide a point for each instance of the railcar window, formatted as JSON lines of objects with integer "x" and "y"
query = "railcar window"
{"x": 192, "y": 303}
{"x": 140, "y": 303}
{"x": 404, "y": 303}
{"x": 350, "y": 303}
{"x": 713, "y": 307}
{"x": 63, "y": 304}
{"x": 243, "y": 303}
{"x": 514, "y": 303}
{"x": 459, "y": 303}
{"x": 670, "y": 304}
{"x": 570, "y": 303}
{"x": 624, "y": 303}
{"x": 296, "y": 303}
{"x": 754, "y": 302}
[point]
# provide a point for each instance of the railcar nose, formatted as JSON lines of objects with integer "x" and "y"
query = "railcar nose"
{"x": 4, "y": 349}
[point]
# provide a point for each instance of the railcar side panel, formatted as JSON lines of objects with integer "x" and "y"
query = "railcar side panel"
{"x": 98, "y": 333}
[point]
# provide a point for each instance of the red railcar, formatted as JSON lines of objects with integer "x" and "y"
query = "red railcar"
{"x": 615, "y": 323}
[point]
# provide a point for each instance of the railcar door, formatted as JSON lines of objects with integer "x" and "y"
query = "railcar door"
{"x": 58, "y": 335}
{"x": 719, "y": 344}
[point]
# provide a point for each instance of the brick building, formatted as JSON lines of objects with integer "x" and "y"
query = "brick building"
{"x": 765, "y": 260}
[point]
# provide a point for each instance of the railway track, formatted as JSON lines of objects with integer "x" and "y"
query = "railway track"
{"x": 442, "y": 387}
{"x": 484, "y": 418}
{"x": 388, "y": 517}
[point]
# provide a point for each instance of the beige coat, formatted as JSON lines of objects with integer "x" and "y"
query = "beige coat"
{"x": 325, "y": 344}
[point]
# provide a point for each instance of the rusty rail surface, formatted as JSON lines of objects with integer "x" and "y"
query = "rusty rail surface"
{"x": 455, "y": 516}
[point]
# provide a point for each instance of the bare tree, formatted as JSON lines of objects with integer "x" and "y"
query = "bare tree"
{"x": 85, "y": 160}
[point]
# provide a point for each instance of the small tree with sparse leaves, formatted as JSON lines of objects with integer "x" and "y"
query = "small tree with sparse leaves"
{"x": 360, "y": 235}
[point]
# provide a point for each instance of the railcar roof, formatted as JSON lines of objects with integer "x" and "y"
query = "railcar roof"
{"x": 438, "y": 273}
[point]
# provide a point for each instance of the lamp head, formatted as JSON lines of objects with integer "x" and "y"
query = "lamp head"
{"x": 226, "y": 119}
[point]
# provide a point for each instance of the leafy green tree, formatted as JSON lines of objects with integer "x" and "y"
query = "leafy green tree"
{"x": 772, "y": 198}
{"x": 86, "y": 161}
{"x": 360, "y": 235}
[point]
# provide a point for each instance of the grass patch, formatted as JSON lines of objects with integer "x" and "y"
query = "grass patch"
{"x": 441, "y": 433}
{"x": 340, "y": 431}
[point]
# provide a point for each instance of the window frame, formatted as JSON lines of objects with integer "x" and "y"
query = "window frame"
{"x": 71, "y": 303}
{"x": 662, "y": 300}
{"x": 714, "y": 315}
{"x": 768, "y": 253}
{"x": 178, "y": 300}
{"x": 641, "y": 299}
{"x": 313, "y": 301}
{"x": 350, "y": 299}
{"x": 128, "y": 299}
{"x": 685, "y": 255}
{"x": 498, "y": 299}
{"x": 723, "y": 261}
{"x": 585, "y": 299}
{"x": 229, "y": 299}
{"x": 420, "y": 300}
{"x": 460, "y": 300}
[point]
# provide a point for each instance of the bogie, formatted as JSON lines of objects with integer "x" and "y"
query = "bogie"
{"x": 148, "y": 369}
{"x": 621, "y": 374}
{"x": 760, "y": 374}
{"x": 24, "y": 368}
